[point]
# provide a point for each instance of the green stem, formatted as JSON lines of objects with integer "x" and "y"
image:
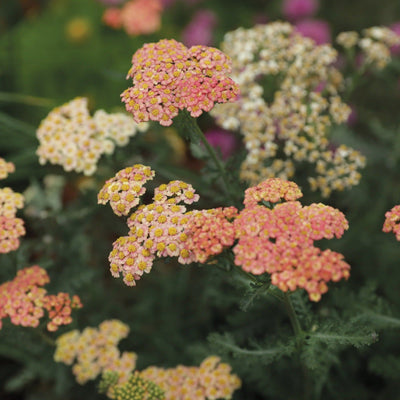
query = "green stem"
{"x": 194, "y": 128}
{"x": 299, "y": 335}
{"x": 45, "y": 337}
{"x": 298, "y": 332}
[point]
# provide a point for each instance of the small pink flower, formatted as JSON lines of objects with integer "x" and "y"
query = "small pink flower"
{"x": 224, "y": 140}
{"x": 199, "y": 30}
{"x": 395, "y": 50}
{"x": 112, "y": 17}
{"x": 315, "y": 29}
{"x": 294, "y": 10}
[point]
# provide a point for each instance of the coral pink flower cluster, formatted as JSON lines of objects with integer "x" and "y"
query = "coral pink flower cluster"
{"x": 211, "y": 380}
{"x": 95, "y": 350}
{"x": 280, "y": 241}
{"x": 24, "y": 300}
{"x": 168, "y": 77}
{"x": 210, "y": 231}
{"x": 136, "y": 17}
{"x": 11, "y": 227}
{"x": 392, "y": 219}
{"x": 156, "y": 229}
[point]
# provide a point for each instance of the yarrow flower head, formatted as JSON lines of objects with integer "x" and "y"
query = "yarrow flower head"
{"x": 70, "y": 137}
{"x": 136, "y": 388}
{"x": 124, "y": 190}
{"x": 95, "y": 350}
{"x": 375, "y": 44}
{"x": 288, "y": 125}
{"x": 11, "y": 227}
{"x": 168, "y": 77}
{"x": 210, "y": 231}
{"x": 211, "y": 380}
{"x": 24, "y": 300}
{"x": 392, "y": 221}
{"x": 156, "y": 229}
{"x": 280, "y": 240}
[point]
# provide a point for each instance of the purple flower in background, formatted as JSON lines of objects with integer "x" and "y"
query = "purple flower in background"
{"x": 199, "y": 30}
{"x": 396, "y": 29}
{"x": 315, "y": 29}
{"x": 294, "y": 10}
{"x": 222, "y": 139}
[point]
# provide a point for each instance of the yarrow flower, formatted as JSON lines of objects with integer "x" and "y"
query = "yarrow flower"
{"x": 211, "y": 380}
{"x": 95, "y": 350}
{"x": 24, "y": 300}
{"x": 375, "y": 44}
{"x": 123, "y": 191}
{"x": 280, "y": 240}
{"x": 70, "y": 137}
{"x": 136, "y": 17}
{"x": 11, "y": 227}
{"x": 168, "y": 77}
{"x": 289, "y": 125}
{"x": 210, "y": 231}
{"x": 136, "y": 388}
{"x": 156, "y": 229}
{"x": 392, "y": 219}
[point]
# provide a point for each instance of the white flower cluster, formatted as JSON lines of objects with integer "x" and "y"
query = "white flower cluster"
{"x": 70, "y": 137}
{"x": 288, "y": 101}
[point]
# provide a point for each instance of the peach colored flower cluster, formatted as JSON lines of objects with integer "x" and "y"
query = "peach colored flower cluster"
{"x": 11, "y": 227}
{"x": 70, "y": 137}
{"x": 168, "y": 77}
{"x": 289, "y": 100}
{"x": 211, "y": 380}
{"x": 24, "y": 300}
{"x": 210, "y": 231}
{"x": 136, "y": 17}
{"x": 95, "y": 350}
{"x": 280, "y": 240}
{"x": 156, "y": 229}
{"x": 392, "y": 219}
{"x": 124, "y": 190}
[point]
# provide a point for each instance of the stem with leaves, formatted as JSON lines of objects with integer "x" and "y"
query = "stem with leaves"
{"x": 196, "y": 135}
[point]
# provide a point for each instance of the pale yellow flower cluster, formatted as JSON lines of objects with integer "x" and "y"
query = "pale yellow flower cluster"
{"x": 374, "y": 43}
{"x": 288, "y": 101}
{"x": 70, "y": 137}
{"x": 95, "y": 350}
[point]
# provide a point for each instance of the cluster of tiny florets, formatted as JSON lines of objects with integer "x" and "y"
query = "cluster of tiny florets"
{"x": 124, "y": 190}
{"x": 11, "y": 227}
{"x": 374, "y": 44}
{"x": 70, "y": 137}
{"x": 280, "y": 240}
{"x": 25, "y": 301}
{"x": 211, "y": 380}
{"x": 392, "y": 221}
{"x": 287, "y": 122}
{"x": 210, "y": 231}
{"x": 95, "y": 350}
{"x": 136, "y": 388}
{"x": 5, "y": 168}
{"x": 156, "y": 229}
{"x": 168, "y": 77}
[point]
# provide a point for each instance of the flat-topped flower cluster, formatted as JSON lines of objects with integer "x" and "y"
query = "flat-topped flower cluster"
{"x": 168, "y": 77}
{"x": 289, "y": 100}
{"x": 272, "y": 234}
{"x": 11, "y": 227}
{"x": 71, "y": 137}
{"x": 24, "y": 300}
